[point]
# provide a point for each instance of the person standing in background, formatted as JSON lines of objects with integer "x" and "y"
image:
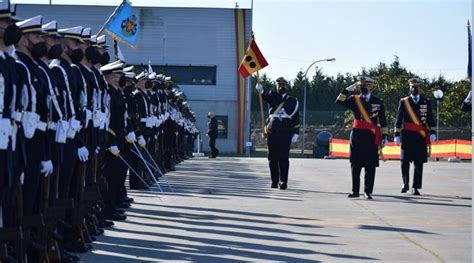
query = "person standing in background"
{"x": 212, "y": 134}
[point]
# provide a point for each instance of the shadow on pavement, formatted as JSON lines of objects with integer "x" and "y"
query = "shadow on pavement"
{"x": 394, "y": 229}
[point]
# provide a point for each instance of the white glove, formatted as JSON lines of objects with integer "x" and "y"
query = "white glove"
{"x": 131, "y": 137}
{"x": 259, "y": 88}
{"x": 97, "y": 150}
{"x": 294, "y": 138}
{"x": 141, "y": 141}
{"x": 114, "y": 150}
{"x": 83, "y": 154}
{"x": 88, "y": 115}
{"x": 47, "y": 168}
{"x": 22, "y": 178}
{"x": 397, "y": 140}
{"x": 432, "y": 137}
{"x": 351, "y": 87}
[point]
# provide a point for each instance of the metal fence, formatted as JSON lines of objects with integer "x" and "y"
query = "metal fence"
{"x": 333, "y": 122}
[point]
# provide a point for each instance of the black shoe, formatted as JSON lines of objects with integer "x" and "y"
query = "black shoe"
{"x": 66, "y": 256}
{"x": 274, "y": 185}
{"x": 115, "y": 217}
{"x": 283, "y": 186}
{"x": 119, "y": 211}
{"x": 124, "y": 205}
{"x": 108, "y": 223}
{"x": 99, "y": 231}
{"x": 405, "y": 189}
{"x": 367, "y": 196}
{"x": 353, "y": 195}
{"x": 105, "y": 223}
{"x": 415, "y": 192}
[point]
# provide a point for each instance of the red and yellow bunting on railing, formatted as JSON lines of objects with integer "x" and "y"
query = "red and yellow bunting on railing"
{"x": 439, "y": 149}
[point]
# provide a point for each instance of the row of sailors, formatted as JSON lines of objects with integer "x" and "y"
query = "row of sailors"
{"x": 70, "y": 123}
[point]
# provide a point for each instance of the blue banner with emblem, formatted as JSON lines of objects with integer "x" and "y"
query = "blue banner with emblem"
{"x": 123, "y": 24}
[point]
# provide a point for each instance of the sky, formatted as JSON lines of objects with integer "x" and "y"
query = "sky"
{"x": 429, "y": 36}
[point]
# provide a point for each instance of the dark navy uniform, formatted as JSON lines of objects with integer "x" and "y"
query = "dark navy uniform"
{"x": 282, "y": 124}
{"x": 8, "y": 179}
{"x": 414, "y": 143}
{"x": 212, "y": 134}
{"x": 67, "y": 84}
{"x": 364, "y": 143}
{"x": 34, "y": 95}
{"x": 114, "y": 168}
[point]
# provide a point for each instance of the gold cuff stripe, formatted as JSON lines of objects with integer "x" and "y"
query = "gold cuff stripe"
{"x": 341, "y": 97}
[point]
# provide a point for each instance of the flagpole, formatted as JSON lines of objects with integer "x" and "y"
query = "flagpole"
{"x": 248, "y": 95}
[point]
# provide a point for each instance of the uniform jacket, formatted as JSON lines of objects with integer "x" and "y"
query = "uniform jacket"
{"x": 290, "y": 109}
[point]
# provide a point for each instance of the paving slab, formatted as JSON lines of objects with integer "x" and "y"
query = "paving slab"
{"x": 223, "y": 210}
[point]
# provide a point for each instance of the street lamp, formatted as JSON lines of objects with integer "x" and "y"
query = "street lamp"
{"x": 438, "y": 94}
{"x": 304, "y": 100}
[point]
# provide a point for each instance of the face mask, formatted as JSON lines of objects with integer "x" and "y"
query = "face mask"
{"x": 55, "y": 51}
{"x": 92, "y": 55}
{"x": 39, "y": 50}
{"x": 104, "y": 59}
{"x": 364, "y": 90}
{"x": 122, "y": 81}
{"x": 12, "y": 35}
{"x": 148, "y": 84}
{"x": 414, "y": 91}
{"x": 76, "y": 55}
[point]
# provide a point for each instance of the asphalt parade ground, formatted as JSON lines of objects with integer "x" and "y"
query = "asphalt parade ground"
{"x": 224, "y": 210}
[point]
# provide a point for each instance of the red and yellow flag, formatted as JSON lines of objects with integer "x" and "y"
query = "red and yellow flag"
{"x": 253, "y": 60}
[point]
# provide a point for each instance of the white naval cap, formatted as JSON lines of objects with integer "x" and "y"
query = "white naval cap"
{"x": 415, "y": 81}
{"x": 160, "y": 76}
{"x": 72, "y": 33}
{"x": 51, "y": 28}
{"x": 102, "y": 42}
{"x": 8, "y": 10}
{"x": 177, "y": 92}
{"x": 130, "y": 76}
{"x": 31, "y": 25}
{"x": 152, "y": 76}
{"x": 365, "y": 79}
{"x": 128, "y": 69}
{"x": 94, "y": 41}
{"x": 141, "y": 76}
{"x": 112, "y": 68}
{"x": 86, "y": 34}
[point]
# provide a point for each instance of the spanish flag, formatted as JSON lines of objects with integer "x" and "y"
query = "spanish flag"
{"x": 253, "y": 60}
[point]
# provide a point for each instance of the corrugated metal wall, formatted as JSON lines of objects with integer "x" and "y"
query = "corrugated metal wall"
{"x": 173, "y": 36}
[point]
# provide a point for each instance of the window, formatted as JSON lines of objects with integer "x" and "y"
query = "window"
{"x": 221, "y": 127}
{"x": 186, "y": 75}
